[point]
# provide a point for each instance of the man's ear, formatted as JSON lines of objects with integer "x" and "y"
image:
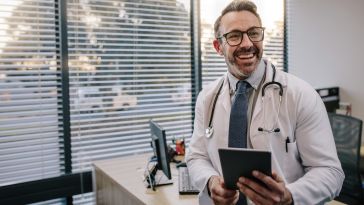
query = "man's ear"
{"x": 218, "y": 46}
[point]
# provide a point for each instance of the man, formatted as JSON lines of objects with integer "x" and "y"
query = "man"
{"x": 296, "y": 130}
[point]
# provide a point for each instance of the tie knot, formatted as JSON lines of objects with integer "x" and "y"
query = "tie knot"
{"x": 242, "y": 86}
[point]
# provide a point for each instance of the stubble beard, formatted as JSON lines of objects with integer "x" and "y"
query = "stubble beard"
{"x": 234, "y": 67}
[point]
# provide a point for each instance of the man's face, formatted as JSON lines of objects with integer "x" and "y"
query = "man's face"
{"x": 244, "y": 58}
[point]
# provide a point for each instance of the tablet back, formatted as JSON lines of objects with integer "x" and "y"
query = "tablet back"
{"x": 236, "y": 162}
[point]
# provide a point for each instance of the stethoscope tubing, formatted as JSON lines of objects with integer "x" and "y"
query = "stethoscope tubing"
{"x": 209, "y": 130}
{"x": 273, "y": 82}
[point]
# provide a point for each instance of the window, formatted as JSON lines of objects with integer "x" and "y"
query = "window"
{"x": 30, "y": 112}
{"x": 128, "y": 62}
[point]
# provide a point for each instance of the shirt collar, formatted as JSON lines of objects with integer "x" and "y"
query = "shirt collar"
{"x": 254, "y": 79}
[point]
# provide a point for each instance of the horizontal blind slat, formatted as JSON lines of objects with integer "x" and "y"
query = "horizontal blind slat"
{"x": 30, "y": 107}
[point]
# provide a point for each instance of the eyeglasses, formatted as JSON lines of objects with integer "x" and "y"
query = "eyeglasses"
{"x": 235, "y": 38}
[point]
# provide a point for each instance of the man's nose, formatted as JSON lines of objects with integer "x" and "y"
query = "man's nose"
{"x": 245, "y": 41}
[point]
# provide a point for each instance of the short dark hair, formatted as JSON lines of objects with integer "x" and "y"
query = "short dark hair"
{"x": 236, "y": 5}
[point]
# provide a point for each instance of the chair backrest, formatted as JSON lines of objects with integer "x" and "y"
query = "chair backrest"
{"x": 347, "y": 132}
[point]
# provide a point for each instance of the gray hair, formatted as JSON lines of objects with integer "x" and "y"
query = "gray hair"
{"x": 236, "y": 5}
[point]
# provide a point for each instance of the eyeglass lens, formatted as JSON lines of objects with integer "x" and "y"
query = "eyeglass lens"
{"x": 255, "y": 34}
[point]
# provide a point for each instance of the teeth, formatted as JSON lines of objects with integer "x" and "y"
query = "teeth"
{"x": 242, "y": 56}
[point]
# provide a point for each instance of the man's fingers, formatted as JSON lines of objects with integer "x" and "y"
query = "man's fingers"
{"x": 222, "y": 199}
{"x": 220, "y": 195}
{"x": 274, "y": 193}
{"x": 255, "y": 196}
{"x": 269, "y": 181}
{"x": 236, "y": 197}
{"x": 276, "y": 177}
{"x": 220, "y": 191}
{"x": 247, "y": 184}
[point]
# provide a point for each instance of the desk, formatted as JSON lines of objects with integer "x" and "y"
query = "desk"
{"x": 120, "y": 181}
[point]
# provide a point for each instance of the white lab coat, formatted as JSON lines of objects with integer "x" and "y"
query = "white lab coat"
{"x": 311, "y": 169}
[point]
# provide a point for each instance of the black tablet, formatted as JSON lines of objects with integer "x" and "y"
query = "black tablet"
{"x": 237, "y": 162}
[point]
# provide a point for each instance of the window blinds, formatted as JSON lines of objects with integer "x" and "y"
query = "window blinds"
{"x": 129, "y": 62}
{"x": 30, "y": 107}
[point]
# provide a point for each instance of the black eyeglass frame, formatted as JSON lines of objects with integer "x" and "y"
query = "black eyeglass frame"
{"x": 242, "y": 35}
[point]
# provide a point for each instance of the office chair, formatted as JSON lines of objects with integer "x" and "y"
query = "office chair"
{"x": 347, "y": 132}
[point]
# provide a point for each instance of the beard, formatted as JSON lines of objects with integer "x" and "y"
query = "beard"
{"x": 242, "y": 70}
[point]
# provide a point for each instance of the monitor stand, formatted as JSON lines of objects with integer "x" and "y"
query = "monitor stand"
{"x": 155, "y": 178}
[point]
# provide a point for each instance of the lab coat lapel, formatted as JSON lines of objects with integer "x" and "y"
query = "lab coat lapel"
{"x": 209, "y": 98}
{"x": 221, "y": 115}
{"x": 259, "y": 139}
{"x": 224, "y": 113}
{"x": 225, "y": 96}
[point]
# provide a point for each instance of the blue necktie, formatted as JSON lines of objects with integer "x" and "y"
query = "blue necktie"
{"x": 238, "y": 123}
{"x": 238, "y": 117}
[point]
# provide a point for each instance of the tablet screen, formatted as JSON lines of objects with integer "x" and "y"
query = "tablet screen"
{"x": 236, "y": 162}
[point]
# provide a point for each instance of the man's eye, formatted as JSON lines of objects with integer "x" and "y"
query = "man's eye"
{"x": 233, "y": 36}
{"x": 253, "y": 34}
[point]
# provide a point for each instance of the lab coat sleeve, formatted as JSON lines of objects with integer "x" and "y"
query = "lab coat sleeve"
{"x": 197, "y": 158}
{"x": 324, "y": 176}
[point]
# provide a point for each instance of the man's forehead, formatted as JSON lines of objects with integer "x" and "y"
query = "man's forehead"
{"x": 239, "y": 20}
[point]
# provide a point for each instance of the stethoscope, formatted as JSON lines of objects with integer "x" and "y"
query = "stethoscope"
{"x": 210, "y": 130}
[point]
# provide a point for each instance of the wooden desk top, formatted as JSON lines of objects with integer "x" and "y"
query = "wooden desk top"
{"x": 128, "y": 171}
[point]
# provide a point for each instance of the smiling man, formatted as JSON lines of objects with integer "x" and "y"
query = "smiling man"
{"x": 242, "y": 55}
{"x": 258, "y": 107}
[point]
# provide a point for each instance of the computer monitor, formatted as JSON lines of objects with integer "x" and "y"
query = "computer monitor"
{"x": 331, "y": 98}
{"x": 160, "y": 149}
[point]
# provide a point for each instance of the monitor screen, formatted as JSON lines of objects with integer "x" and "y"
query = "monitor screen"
{"x": 159, "y": 144}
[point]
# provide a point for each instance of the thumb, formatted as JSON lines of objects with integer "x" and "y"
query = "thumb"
{"x": 276, "y": 177}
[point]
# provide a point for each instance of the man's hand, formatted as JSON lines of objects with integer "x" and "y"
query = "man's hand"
{"x": 219, "y": 194}
{"x": 276, "y": 193}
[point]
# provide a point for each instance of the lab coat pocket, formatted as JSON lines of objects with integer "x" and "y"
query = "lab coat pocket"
{"x": 292, "y": 166}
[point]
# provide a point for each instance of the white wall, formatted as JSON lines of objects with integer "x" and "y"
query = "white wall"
{"x": 326, "y": 46}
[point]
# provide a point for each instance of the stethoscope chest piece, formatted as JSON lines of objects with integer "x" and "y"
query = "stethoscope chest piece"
{"x": 209, "y": 131}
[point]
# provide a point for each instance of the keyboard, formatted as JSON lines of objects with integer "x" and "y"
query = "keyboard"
{"x": 184, "y": 183}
